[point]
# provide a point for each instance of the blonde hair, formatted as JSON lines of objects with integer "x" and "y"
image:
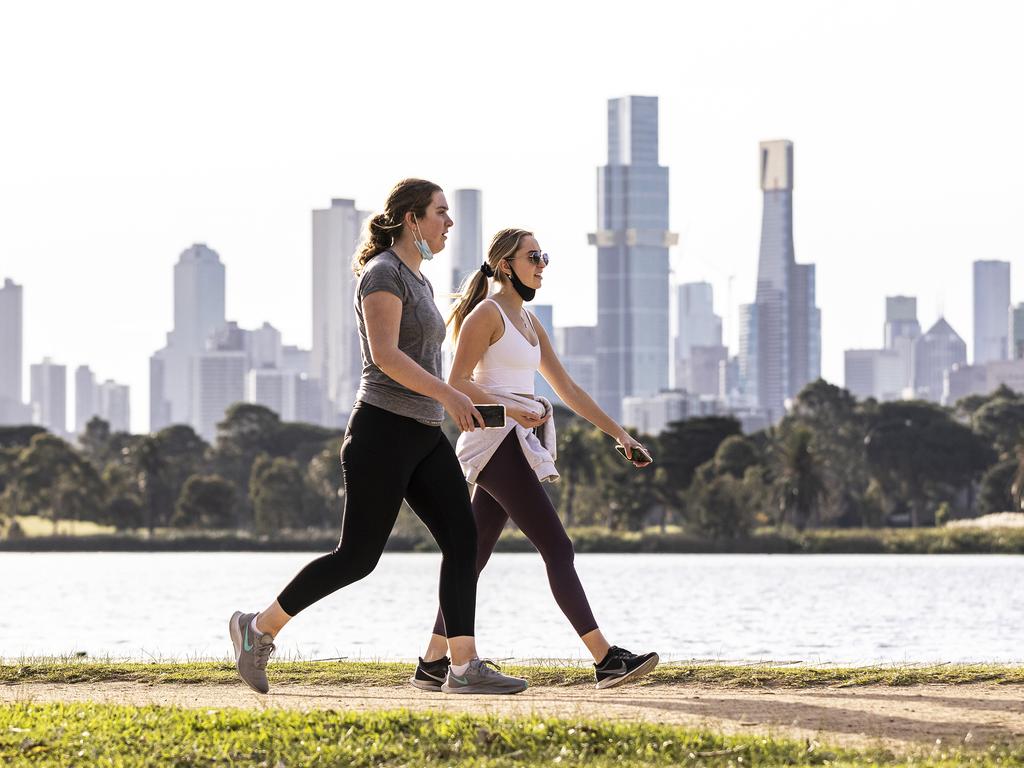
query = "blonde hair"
{"x": 475, "y": 287}
{"x": 382, "y": 230}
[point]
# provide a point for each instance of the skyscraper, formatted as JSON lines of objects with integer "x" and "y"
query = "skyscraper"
{"x": 901, "y": 332}
{"x": 632, "y": 240}
{"x": 218, "y": 383}
{"x": 1015, "y": 333}
{"x": 12, "y": 410}
{"x": 788, "y": 322}
{"x": 49, "y": 383}
{"x": 86, "y": 398}
{"x": 697, "y": 326}
{"x": 546, "y": 314}
{"x": 467, "y": 236}
{"x": 991, "y": 303}
{"x": 198, "y": 311}
{"x": 114, "y": 405}
{"x": 336, "y": 359}
{"x": 935, "y": 353}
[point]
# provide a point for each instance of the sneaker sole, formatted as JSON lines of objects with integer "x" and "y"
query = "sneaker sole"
{"x": 643, "y": 669}
{"x": 236, "y": 641}
{"x": 425, "y": 685}
{"x": 477, "y": 692}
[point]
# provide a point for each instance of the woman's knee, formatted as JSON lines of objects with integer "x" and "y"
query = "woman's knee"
{"x": 557, "y": 551}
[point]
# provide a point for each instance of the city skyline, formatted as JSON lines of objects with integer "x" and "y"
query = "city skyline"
{"x": 141, "y": 176}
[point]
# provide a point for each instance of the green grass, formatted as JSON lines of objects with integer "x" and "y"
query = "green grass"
{"x": 588, "y": 539}
{"x": 53, "y": 670}
{"x": 113, "y": 735}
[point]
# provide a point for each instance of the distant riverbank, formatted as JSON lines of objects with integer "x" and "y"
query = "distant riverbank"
{"x": 949, "y": 540}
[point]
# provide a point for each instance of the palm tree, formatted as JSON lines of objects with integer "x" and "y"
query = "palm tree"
{"x": 801, "y": 482}
{"x": 575, "y": 464}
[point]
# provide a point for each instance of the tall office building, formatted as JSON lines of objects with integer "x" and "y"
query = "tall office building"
{"x": 747, "y": 357}
{"x": 12, "y": 409}
{"x": 632, "y": 240}
{"x": 336, "y": 359}
{"x": 876, "y": 373}
{"x": 1015, "y": 333}
{"x": 114, "y": 405}
{"x": 697, "y": 325}
{"x": 467, "y": 236}
{"x": 546, "y": 314}
{"x": 901, "y": 332}
{"x": 935, "y": 353}
{"x": 218, "y": 383}
{"x": 198, "y": 311}
{"x": 265, "y": 350}
{"x": 273, "y": 389}
{"x": 991, "y": 303}
{"x": 87, "y": 403}
{"x": 49, "y": 396}
{"x": 576, "y": 345}
{"x": 788, "y": 322}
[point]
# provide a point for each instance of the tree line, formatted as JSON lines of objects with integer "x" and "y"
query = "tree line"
{"x": 833, "y": 461}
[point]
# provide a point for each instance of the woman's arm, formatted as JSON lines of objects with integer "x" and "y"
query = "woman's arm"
{"x": 481, "y": 328}
{"x": 574, "y": 396}
{"x": 382, "y": 313}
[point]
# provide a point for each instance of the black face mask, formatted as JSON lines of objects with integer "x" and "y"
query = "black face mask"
{"x": 526, "y": 292}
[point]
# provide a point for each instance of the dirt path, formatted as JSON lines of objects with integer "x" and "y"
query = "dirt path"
{"x": 899, "y": 717}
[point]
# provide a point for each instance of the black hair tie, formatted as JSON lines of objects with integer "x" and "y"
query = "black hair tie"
{"x": 487, "y": 269}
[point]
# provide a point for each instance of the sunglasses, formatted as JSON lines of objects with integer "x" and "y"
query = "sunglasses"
{"x": 536, "y": 257}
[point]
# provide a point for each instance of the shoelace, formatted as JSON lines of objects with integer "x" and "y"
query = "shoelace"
{"x": 262, "y": 653}
{"x": 485, "y": 667}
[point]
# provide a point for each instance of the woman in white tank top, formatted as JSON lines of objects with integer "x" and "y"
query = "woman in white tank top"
{"x": 500, "y": 348}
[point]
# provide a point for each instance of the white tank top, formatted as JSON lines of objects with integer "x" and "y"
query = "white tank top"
{"x": 510, "y": 364}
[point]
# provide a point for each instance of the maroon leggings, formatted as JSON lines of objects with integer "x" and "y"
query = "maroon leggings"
{"x": 508, "y": 488}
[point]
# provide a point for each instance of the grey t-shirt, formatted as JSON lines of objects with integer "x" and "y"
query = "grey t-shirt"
{"x": 420, "y": 336}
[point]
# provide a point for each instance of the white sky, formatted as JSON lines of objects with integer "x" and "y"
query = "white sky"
{"x": 129, "y": 131}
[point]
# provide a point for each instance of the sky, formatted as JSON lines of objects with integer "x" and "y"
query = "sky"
{"x": 129, "y": 131}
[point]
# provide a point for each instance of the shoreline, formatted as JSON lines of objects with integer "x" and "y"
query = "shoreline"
{"x": 949, "y": 540}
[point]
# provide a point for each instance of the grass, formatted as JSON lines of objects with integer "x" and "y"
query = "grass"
{"x": 113, "y": 735}
{"x": 90, "y": 537}
{"x": 71, "y": 670}
{"x": 34, "y": 525}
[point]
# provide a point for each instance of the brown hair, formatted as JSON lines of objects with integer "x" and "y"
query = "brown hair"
{"x": 474, "y": 288}
{"x": 381, "y": 230}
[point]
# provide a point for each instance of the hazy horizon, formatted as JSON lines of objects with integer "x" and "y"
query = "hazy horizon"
{"x": 133, "y": 133}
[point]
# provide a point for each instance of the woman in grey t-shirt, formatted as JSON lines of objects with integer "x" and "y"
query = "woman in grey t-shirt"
{"x": 394, "y": 447}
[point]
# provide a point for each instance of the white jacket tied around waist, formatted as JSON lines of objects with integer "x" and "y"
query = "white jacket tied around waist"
{"x": 476, "y": 448}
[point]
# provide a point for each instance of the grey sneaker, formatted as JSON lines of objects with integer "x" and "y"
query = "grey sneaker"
{"x": 482, "y": 677}
{"x": 252, "y": 651}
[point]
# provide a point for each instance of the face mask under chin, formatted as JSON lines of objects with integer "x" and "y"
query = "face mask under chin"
{"x": 421, "y": 245}
{"x": 525, "y": 292}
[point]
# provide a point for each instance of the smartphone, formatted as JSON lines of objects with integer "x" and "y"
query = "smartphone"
{"x": 639, "y": 454}
{"x": 494, "y": 415}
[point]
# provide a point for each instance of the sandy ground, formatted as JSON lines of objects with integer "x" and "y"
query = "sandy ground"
{"x": 901, "y": 718}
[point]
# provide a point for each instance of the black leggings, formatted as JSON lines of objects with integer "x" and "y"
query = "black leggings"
{"x": 384, "y": 458}
{"x": 508, "y": 487}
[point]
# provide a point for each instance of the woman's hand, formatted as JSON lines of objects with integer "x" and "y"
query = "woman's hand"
{"x": 525, "y": 417}
{"x": 462, "y": 410}
{"x": 627, "y": 442}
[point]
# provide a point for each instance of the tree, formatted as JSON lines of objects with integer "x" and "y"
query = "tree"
{"x": 801, "y": 483}
{"x": 246, "y": 431}
{"x": 917, "y": 452}
{"x": 735, "y": 456}
{"x": 1001, "y": 422}
{"x": 276, "y": 490}
{"x": 326, "y": 484}
{"x": 576, "y": 452}
{"x": 718, "y": 507}
{"x": 51, "y": 480}
{"x": 685, "y": 445}
{"x": 206, "y": 501}
{"x": 996, "y": 494}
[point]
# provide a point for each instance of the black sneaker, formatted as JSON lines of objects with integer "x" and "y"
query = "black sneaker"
{"x": 430, "y": 675}
{"x": 621, "y": 666}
